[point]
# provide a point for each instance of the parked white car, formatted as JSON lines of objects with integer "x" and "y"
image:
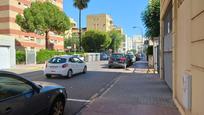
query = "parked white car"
{"x": 64, "y": 66}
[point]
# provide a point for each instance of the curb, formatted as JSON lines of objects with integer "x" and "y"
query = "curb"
{"x": 30, "y": 73}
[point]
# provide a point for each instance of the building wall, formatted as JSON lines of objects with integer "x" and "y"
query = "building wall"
{"x": 100, "y": 22}
{"x": 8, "y": 11}
{"x": 188, "y": 43}
{"x": 9, "y": 41}
{"x": 135, "y": 42}
{"x": 58, "y": 3}
{"x": 68, "y": 33}
{"x": 197, "y": 53}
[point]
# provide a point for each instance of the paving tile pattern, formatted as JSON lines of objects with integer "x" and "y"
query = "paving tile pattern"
{"x": 135, "y": 94}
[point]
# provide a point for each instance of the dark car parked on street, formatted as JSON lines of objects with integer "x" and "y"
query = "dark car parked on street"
{"x": 103, "y": 56}
{"x": 130, "y": 59}
{"x": 117, "y": 60}
{"x": 19, "y": 96}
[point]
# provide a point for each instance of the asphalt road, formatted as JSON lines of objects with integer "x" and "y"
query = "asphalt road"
{"x": 82, "y": 88}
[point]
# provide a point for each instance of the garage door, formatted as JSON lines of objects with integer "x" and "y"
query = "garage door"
{"x": 4, "y": 57}
{"x": 168, "y": 46}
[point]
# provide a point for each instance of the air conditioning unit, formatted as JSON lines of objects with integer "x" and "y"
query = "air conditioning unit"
{"x": 187, "y": 91}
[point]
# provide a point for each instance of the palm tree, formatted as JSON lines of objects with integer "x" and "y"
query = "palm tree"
{"x": 80, "y": 4}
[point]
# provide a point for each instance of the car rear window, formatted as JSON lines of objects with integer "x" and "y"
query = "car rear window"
{"x": 58, "y": 60}
{"x": 117, "y": 56}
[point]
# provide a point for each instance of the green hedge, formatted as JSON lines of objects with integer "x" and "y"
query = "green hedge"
{"x": 20, "y": 57}
{"x": 44, "y": 55}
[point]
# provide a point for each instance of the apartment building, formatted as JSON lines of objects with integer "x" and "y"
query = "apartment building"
{"x": 119, "y": 29}
{"x": 135, "y": 43}
{"x": 72, "y": 30}
{"x": 100, "y": 22}
{"x": 182, "y": 44}
{"x": 8, "y": 11}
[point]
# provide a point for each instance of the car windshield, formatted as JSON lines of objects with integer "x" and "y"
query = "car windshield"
{"x": 117, "y": 56}
{"x": 58, "y": 60}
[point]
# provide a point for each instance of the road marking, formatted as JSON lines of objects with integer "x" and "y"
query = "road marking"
{"x": 102, "y": 90}
{"x": 109, "y": 88}
{"x": 79, "y": 100}
{"x": 94, "y": 96}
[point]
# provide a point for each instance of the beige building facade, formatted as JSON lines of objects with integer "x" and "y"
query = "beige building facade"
{"x": 69, "y": 32}
{"x": 100, "y": 22}
{"x": 182, "y": 37}
{"x": 8, "y": 11}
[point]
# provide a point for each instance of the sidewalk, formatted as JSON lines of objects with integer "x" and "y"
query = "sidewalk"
{"x": 134, "y": 94}
{"x": 20, "y": 69}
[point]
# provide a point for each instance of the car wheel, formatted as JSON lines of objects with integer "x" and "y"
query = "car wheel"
{"x": 69, "y": 74}
{"x": 57, "y": 107}
{"x": 85, "y": 69}
{"x": 109, "y": 66}
{"x": 48, "y": 76}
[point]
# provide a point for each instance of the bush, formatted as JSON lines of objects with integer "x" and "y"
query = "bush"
{"x": 20, "y": 57}
{"x": 44, "y": 55}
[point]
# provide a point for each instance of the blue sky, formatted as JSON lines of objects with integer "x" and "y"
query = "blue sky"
{"x": 125, "y": 13}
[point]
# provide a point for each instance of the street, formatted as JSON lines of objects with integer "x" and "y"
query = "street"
{"x": 82, "y": 88}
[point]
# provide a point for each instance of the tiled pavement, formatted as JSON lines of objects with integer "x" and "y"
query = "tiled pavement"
{"x": 134, "y": 94}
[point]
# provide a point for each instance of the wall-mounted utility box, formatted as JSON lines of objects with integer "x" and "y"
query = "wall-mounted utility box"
{"x": 187, "y": 91}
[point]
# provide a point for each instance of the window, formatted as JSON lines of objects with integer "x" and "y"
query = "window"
{"x": 10, "y": 87}
{"x": 32, "y": 39}
{"x": 58, "y": 60}
{"x": 27, "y": 38}
{"x": 38, "y": 40}
{"x": 71, "y": 60}
{"x": 76, "y": 60}
{"x": 25, "y": 5}
{"x": 55, "y": 41}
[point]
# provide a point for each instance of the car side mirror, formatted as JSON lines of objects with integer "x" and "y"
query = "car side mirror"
{"x": 37, "y": 88}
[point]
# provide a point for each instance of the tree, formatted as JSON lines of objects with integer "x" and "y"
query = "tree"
{"x": 80, "y": 4}
{"x": 94, "y": 41}
{"x": 117, "y": 38}
{"x": 43, "y": 17}
{"x": 151, "y": 17}
{"x": 71, "y": 41}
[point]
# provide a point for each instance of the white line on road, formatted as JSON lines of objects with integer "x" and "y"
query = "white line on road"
{"x": 79, "y": 100}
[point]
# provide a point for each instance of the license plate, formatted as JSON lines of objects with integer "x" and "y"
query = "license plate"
{"x": 115, "y": 62}
{"x": 53, "y": 71}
